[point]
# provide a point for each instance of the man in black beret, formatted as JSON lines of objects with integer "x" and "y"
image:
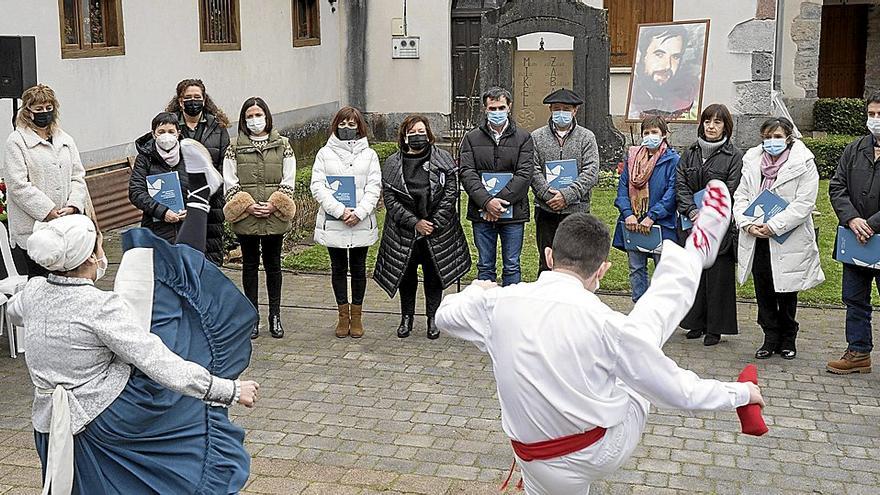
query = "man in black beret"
{"x": 566, "y": 167}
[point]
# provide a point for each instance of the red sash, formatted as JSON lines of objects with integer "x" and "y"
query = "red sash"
{"x": 558, "y": 447}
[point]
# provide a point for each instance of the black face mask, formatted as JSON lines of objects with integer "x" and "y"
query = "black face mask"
{"x": 193, "y": 107}
{"x": 417, "y": 141}
{"x": 346, "y": 133}
{"x": 43, "y": 119}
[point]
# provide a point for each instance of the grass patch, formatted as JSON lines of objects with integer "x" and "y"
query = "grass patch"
{"x": 315, "y": 258}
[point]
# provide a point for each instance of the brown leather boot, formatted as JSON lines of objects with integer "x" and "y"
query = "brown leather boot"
{"x": 357, "y": 324}
{"x": 851, "y": 362}
{"x": 344, "y": 322}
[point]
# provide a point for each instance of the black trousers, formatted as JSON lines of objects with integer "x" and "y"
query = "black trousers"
{"x": 25, "y": 265}
{"x": 546, "y": 224}
{"x": 409, "y": 284}
{"x": 714, "y": 308}
{"x": 342, "y": 262}
{"x": 253, "y": 247}
{"x": 776, "y": 310}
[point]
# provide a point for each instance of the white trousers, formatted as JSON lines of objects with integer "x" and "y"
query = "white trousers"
{"x": 672, "y": 287}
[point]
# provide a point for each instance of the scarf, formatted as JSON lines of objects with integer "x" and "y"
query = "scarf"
{"x": 172, "y": 156}
{"x": 770, "y": 169}
{"x": 707, "y": 148}
{"x": 640, "y": 166}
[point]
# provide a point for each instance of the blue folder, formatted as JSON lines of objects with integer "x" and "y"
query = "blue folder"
{"x": 643, "y": 243}
{"x": 698, "y": 200}
{"x": 852, "y": 252}
{"x": 561, "y": 173}
{"x": 494, "y": 182}
{"x": 766, "y": 206}
{"x": 343, "y": 189}
{"x": 165, "y": 190}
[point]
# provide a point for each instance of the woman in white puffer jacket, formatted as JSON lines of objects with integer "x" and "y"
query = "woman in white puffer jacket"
{"x": 347, "y": 227}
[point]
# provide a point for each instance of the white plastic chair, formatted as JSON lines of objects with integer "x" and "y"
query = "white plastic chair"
{"x": 8, "y": 287}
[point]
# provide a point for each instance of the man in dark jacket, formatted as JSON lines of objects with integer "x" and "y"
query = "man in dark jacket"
{"x": 855, "y": 196}
{"x": 496, "y": 171}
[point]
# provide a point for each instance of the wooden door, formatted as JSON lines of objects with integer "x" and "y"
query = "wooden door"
{"x": 465, "y": 69}
{"x": 842, "y": 50}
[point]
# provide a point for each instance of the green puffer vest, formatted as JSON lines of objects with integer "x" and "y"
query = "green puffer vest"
{"x": 259, "y": 174}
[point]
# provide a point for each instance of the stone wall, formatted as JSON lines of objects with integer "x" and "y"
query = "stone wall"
{"x": 872, "y": 59}
{"x": 805, "y": 32}
{"x": 756, "y": 37}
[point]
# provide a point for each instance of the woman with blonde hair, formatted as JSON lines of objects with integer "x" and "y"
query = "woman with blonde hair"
{"x": 45, "y": 178}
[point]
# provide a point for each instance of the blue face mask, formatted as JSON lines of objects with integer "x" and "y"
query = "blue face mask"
{"x": 497, "y": 117}
{"x": 562, "y": 118}
{"x": 775, "y": 146}
{"x": 652, "y": 141}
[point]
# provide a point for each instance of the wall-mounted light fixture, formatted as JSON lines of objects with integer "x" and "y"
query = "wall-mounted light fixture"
{"x": 332, "y": 5}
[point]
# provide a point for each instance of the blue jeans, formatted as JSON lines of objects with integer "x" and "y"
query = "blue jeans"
{"x": 638, "y": 272}
{"x": 857, "y": 297}
{"x": 486, "y": 236}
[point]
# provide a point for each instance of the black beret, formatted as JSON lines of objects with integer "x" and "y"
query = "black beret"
{"x": 564, "y": 96}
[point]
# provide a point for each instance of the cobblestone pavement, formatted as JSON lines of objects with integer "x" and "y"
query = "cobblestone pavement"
{"x": 385, "y": 415}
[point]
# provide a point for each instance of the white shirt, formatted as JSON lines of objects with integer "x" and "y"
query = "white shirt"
{"x": 496, "y": 135}
{"x": 557, "y": 351}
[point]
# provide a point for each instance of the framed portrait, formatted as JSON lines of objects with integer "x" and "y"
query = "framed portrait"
{"x": 668, "y": 70}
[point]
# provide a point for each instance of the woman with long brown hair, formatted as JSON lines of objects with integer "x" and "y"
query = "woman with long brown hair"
{"x": 200, "y": 119}
{"x": 45, "y": 178}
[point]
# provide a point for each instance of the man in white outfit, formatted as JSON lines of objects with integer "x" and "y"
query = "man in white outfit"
{"x": 576, "y": 378}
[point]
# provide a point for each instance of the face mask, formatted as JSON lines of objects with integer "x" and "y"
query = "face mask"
{"x": 497, "y": 117}
{"x": 417, "y": 141}
{"x": 102, "y": 268}
{"x": 874, "y": 126}
{"x": 193, "y": 107}
{"x": 167, "y": 141}
{"x": 346, "y": 133}
{"x": 43, "y": 119}
{"x": 562, "y": 118}
{"x": 256, "y": 124}
{"x": 774, "y": 146}
{"x": 652, "y": 141}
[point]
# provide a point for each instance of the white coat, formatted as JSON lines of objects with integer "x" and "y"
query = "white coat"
{"x": 40, "y": 177}
{"x": 795, "y": 262}
{"x": 350, "y": 158}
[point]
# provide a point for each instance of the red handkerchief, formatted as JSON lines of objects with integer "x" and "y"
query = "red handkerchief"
{"x": 750, "y": 414}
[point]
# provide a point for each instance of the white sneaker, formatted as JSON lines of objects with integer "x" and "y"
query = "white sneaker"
{"x": 197, "y": 160}
{"x": 711, "y": 224}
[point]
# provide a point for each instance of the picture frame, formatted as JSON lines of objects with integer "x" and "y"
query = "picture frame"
{"x": 668, "y": 71}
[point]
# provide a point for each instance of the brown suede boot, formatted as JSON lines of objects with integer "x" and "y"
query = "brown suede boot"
{"x": 851, "y": 362}
{"x": 357, "y": 325}
{"x": 344, "y": 322}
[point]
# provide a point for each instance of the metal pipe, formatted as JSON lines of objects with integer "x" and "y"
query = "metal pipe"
{"x": 777, "y": 55}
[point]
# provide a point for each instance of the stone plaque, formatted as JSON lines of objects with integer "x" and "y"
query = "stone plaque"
{"x": 536, "y": 74}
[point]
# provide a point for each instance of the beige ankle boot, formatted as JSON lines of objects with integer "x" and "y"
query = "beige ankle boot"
{"x": 344, "y": 322}
{"x": 357, "y": 325}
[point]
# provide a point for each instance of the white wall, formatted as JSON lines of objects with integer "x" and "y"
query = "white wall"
{"x": 420, "y": 85}
{"x": 109, "y": 101}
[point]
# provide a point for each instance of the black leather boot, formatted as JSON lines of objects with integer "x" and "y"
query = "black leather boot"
{"x": 406, "y": 324}
{"x": 433, "y": 331}
{"x": 275, "y": 328}
{"x": 255, "y": 332}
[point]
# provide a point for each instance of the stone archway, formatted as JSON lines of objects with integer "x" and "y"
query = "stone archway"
{"x": 589, "y": 28}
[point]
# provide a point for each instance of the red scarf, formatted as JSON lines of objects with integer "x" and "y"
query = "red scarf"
{"x": 640, "y": 166}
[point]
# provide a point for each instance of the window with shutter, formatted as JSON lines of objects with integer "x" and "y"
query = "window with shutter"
{"x": 624, "y": 16}
{"x": 91, "y": 28}
{"x": 219, "y": 25}
{"x": 306, "y": 23}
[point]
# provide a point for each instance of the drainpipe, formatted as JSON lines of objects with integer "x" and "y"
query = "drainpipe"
{"x": 777, "y": 56}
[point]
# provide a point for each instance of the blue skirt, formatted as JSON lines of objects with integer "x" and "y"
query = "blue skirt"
{"x": 154, "y": 440}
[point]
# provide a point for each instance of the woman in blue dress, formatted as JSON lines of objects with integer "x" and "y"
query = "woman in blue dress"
{"x": 132, "y": 386}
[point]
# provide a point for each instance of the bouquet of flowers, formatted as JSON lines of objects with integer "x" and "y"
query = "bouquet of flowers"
{"x": 3, "y": 214}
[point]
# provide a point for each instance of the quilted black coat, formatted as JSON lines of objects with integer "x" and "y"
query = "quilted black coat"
{"x": 447, "y": 243}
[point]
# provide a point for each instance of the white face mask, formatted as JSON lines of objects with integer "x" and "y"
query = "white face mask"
{"x": 256, "y": 124}
{"x": 166, "y": 141}
{"x": 102, "y": 268}
{"x": 874, "y": 126}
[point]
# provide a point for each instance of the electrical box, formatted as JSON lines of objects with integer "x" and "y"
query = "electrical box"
{"x": 405, "y": 47}
{"x": 397, "y": 28}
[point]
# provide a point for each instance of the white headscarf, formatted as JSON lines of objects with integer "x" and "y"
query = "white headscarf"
{"x": 62, "y": 244}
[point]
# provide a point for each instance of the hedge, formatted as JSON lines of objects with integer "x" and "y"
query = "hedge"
{"x": 840, "y": 116}
{"x": 827, "y": 151}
